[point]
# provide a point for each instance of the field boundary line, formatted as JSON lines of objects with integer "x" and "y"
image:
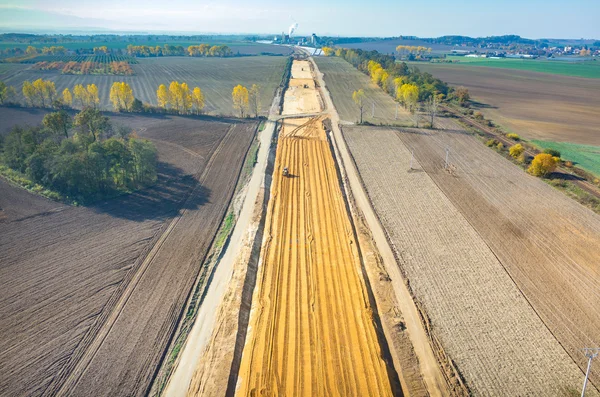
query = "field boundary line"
{"x": 87, "y": 355}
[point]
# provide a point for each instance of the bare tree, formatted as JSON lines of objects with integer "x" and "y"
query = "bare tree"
{"x": 431, "y": 108}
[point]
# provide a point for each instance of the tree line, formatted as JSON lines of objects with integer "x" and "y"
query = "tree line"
{"x": 84, "y": 158}
{"x": 409, "y": 86}
{"x": 177, "y": 98}
{"x": 205, "y": 50}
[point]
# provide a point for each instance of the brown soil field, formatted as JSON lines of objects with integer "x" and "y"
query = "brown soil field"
{"x": 534, "y": 105}
{"x": 311, "y": 330}
{"x": 342, "y": 79}
{"x": 90, "y": 295}
{"x": 496, "y": 274}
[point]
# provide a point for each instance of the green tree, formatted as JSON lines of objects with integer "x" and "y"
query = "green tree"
{"x": 59, "y": 122}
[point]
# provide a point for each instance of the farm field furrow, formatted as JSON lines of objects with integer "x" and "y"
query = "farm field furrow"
{"x": 311, "y": 330}
{"x": 342, "y": 79}
{"x": 49, "y": 313}
{"x": 134, "y": 344}
{"x": 547, "y": 242}
{"x": 534, "y": 105}
{"x": 215, "y": 76}
{"x": 485, "y": 323}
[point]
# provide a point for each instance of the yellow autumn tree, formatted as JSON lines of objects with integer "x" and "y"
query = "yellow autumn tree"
{"x": 175, "y": 95}
{"x": 29, "y": 93}
{"x": 516, "y": 150}
{"x": 240, "y": 99}
{"x": 92, "y": 95}
{"x": 80, "y": 94}
{"x": 543, "y": 165}
{"x": 162, "y": 95}
{"x": 254, "y": 99}
{"x": 121, "y": 96}
{"x": 328, "y": 51}
{"x": 186, "y": 98}
{"x": 39, "y": 93}
{"x": 67, "y": 97}
{"x": 198, "y": 99}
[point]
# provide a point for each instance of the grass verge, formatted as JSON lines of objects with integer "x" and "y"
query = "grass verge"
{"x": 584, "y": 156}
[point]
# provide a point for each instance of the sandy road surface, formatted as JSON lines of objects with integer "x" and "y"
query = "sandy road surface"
{"x": 311, "y": 331}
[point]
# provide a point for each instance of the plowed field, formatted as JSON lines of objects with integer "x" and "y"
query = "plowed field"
{"x": 311, "y": 331}
{"x": 503, "y": 264}
{"x": 90, "y": 295}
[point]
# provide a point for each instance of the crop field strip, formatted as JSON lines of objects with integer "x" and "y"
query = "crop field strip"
{"x": 97, "y": 247}
{"x": 547, "y": 242}
{"x": 533, "y": 105}
{"x": 215, "y": 76}
{"x": 484, "y": 322}
{"x": 342, "y": 79}
{"x": 312, "y": 331}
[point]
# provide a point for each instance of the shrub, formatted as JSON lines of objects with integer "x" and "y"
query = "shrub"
{"x": 500, "y": 146}
{"x": 491, "y": 142}
{"x": 478, "y": 116}
{"x": 523, "y": 158}
{"x": 552, "y": 152}
{"x": 516, "y": 150}
{"x": 543, "y": 165}
{"x": 513, "y": 136}
{"x": 569, "y": 164}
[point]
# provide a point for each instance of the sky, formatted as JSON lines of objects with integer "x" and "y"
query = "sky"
{"x": 425, "y": 18}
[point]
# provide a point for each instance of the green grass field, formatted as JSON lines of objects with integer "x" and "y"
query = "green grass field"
{"x": 585, "y": 156}
{"x": 588, "y": 69}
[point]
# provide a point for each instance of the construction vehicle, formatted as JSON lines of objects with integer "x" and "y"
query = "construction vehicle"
{"x": 286, "y": 172}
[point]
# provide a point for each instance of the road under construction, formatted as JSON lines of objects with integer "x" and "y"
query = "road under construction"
{"x": 312, "y": 328}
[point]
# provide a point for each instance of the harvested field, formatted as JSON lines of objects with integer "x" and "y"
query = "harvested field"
{"x": 501, "y": 277}
{"x": 311, "y": 330}
{"x": 97, "y": 316}
{"x": 342, "y": 79}
{"x": 534, "y": 105}
{"x": 215, "y": 76}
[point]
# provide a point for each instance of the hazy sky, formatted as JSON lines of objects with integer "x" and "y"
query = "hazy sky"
{"x": 425, "y": 18}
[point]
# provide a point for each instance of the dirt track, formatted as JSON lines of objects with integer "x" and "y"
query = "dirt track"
{"x": 51, "y": 315}
{"x": 482, "y": 319}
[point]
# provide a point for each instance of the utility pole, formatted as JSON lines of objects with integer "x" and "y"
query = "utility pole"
{"x": 396, "y": 117}
{"x": 412, "y": 156}
{"x": 373, "y": 111}
{"x": 590, "y": 353}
